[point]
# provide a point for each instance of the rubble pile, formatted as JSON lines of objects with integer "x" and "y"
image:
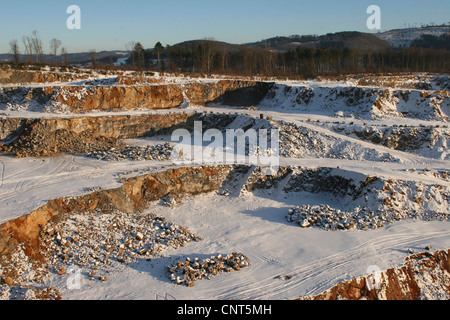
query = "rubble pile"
{"x": 299, "y": 142}
{"x": 364, "y": 204}
{"x": 331, "y": 219}
{"x": 160, "y": 152}
{"x": 196, "y": 269}
{"x": 23, "y": 292}
{"x": 428, "y": 141}
{"x": 440, "y": 174}
{"x": 41, "y": 142}
{"x": 23, "y": 279}
{"x": 95, "y": 241}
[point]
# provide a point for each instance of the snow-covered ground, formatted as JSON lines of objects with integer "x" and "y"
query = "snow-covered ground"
{"x": 287, "y": 261}
{"x": 29, "y": 182}
{"x": 402, "y": 38}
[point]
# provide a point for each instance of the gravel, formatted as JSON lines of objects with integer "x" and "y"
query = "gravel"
{"x": 160, "y": 152}
{"x": 328, "y": 218}
{"x": 98, "y": 241}
{"x": 196, "y": 269}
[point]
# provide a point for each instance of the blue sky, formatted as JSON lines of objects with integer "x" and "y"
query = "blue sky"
{"x": 110, "y": 24}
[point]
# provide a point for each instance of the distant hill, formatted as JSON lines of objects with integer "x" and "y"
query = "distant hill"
{"x": 340, "y": 40}
{"x": 82, "y": 58}
{"x": 217, "y": 44}
{"x": 425, "y": 37}
{"x": 398, "y": 38}
{"x": 404, "y": 38}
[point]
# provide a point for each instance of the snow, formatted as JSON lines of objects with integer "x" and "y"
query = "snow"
{"x": 287, "y": 261}
{"x": 331, "y": 99}
{"x": 121, "y": 61}
{"x": 402, "y": 38}
{"x": 255, "y": 224}
{"x": 30, "y": 182}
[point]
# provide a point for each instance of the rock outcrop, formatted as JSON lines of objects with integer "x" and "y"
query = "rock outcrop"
{"x": 132, "y": 197}
{"x": 8, "y": 76}
{"x": 424, "y": 276}
{"x": 78, "y": 135}
{"x": 91, "y": 96}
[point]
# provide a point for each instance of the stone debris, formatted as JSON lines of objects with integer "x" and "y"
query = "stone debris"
{"x": 37, "y": 140}
{"x": 22, "y": 279}
{"x": 196, "y": 269}
{"x": 428, "y": 141}
{"x": 328, "y": 218}
{"x": 364, "y": 204}
{"x": 24, "y": 292}
{"x": 440, "y": 174}
{"x": 171, "y": 200}
{"x": 97, "y": 241}
{"x": 361, "y": 218}
{"x": 298, "y": 141}
{"x": 160, "y": 152}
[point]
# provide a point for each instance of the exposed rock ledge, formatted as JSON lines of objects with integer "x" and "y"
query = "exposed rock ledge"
{"x": 133, "y": 196}
{"x": 85, "y": 98}
{"x": 424, "y": 276}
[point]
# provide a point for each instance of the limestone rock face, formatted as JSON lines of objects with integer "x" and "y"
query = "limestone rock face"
{"x": 78, "y": 135}
{"x": 228, "y": 92}
{"x": 82, "y": 99}
{"x": 29, "y": 76}
{"x": 116, "y": 96}
{"x": 423, "y": 276}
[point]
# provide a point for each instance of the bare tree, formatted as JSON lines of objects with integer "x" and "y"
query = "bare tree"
{"x": 54, "y": 46}
{"x": 37, "y": 47}
{"x": 65, "y": 60}
{"x": 130, "y": 47}
{"x": 208, "y": 47}
{"x": 224, "y": 58}
{"x": 93, "y": 53}
{"x": 28, "y": 49}
{"x": 14, "y": 50}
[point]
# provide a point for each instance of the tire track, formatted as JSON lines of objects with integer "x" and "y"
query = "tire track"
{"x": 2, "y": 173}
{"x": 271, "y": 287}
{"x": 63, "y": 173}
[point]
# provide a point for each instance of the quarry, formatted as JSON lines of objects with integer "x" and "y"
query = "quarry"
{"x": 92, "y": 205}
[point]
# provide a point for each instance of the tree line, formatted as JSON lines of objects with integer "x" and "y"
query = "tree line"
{"x": 432, "y": 42}
{"x": 207, "y": 57}
{"x": 33, "y": 50}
